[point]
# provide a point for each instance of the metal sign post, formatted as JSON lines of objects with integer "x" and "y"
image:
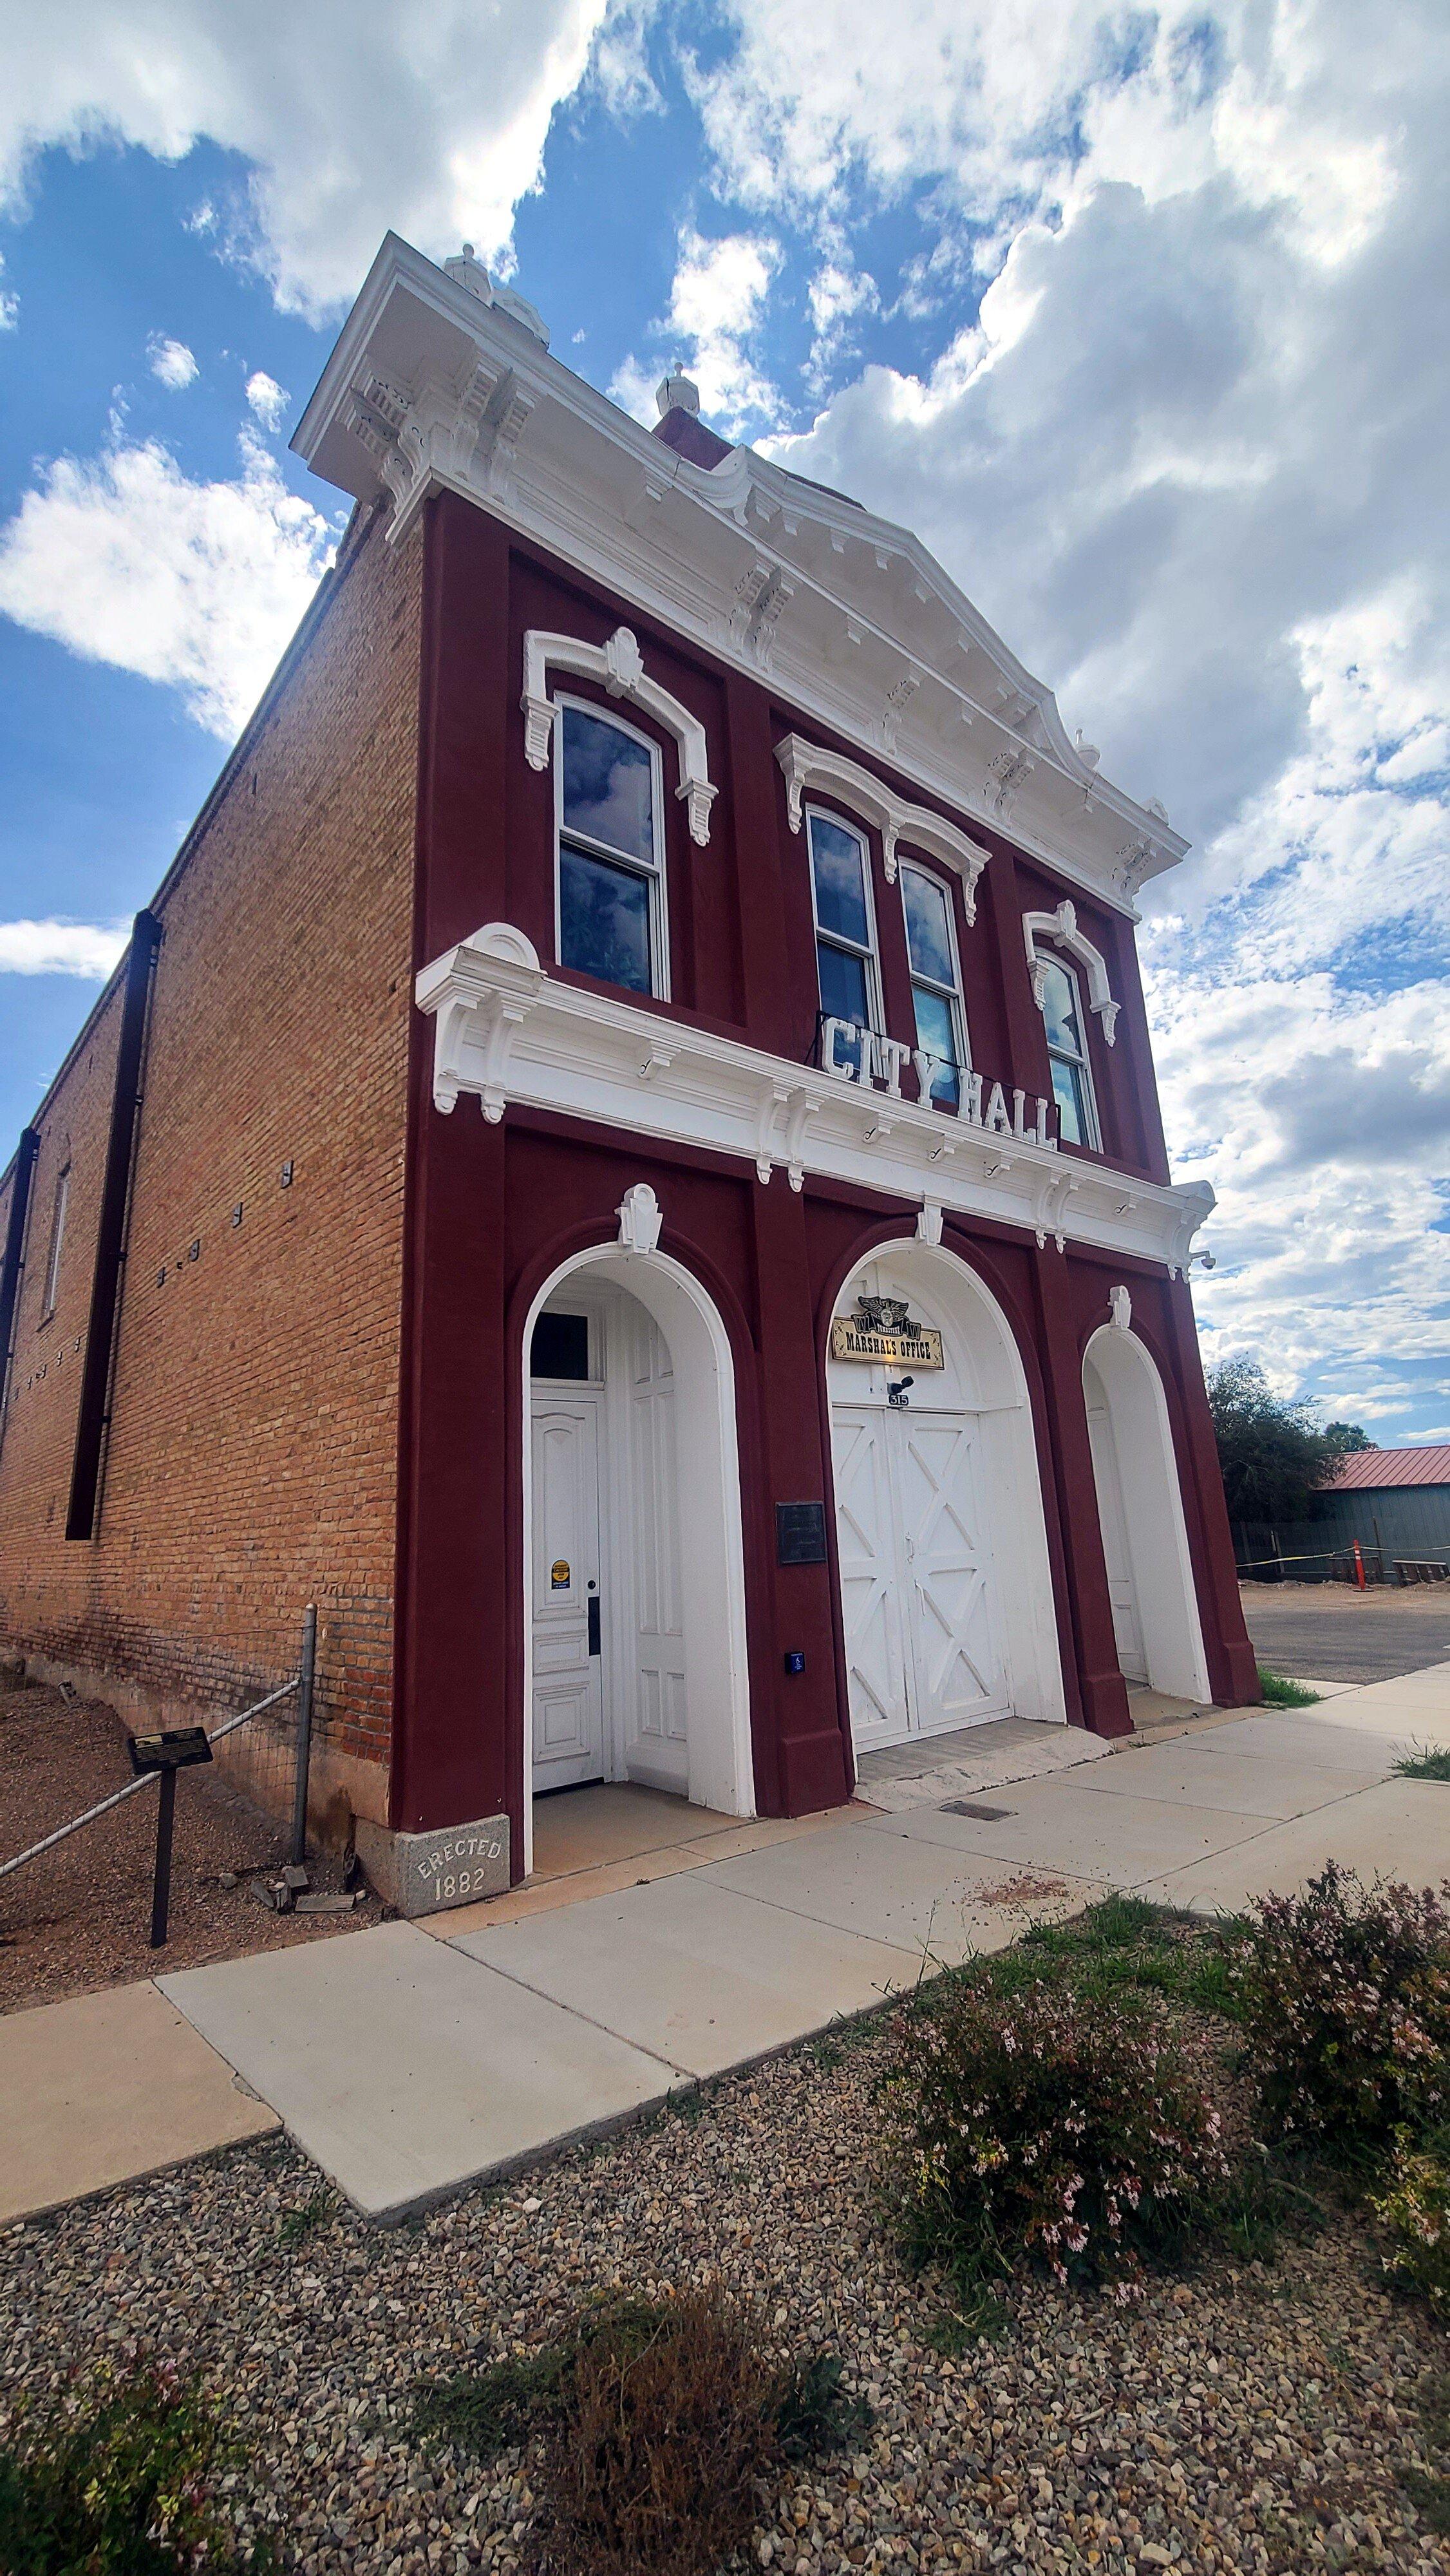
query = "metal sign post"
{"x": 169, "y": 1752}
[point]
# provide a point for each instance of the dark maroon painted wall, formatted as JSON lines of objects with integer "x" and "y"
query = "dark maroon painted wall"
{"x": 492, "y": 1210}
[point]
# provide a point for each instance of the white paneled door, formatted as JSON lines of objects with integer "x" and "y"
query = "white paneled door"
{"x": 1113, "y": 1522}
{"x": 918, "y": 1583}
{"x": 568, "y": 1693}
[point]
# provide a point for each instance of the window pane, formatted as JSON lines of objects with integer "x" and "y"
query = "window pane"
{"x": 608, "y": 784}
{"x": 604, "y": 920}
{"x": 840, "y": 883}
{"x": 843, "y": 995}
{"x": 1059, "y": 1009}
{"x": 560, "y": 1347}
{"x": 1067, "y": 1091}
{"x": 928, "y": 937}
{"x": 843, "y": 984}
{"x": 934, "y": 1031}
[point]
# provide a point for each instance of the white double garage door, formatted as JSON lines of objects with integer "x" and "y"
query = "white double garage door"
{"x": 925, "y": 1644}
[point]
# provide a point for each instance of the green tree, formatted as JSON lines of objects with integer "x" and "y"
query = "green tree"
{"x": 1274, "y": 1455}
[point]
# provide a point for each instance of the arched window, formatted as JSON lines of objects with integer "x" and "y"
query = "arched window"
{"x": 846, "y": 969}
{"x": 611, "y": 877}
{"x": 1060, "y": 998}
{"x": 936, "y": 980}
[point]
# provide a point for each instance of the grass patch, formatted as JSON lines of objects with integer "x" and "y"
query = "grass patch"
{"x": 1277, "y": 1692}
{"x": 1424, "y": 1762}
{"x": 296, "y": 2225}
{"x": 116, "y": 2481}
{"x": 1121, "y": 1946}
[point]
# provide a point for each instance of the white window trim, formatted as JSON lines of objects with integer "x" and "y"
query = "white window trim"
{"x": 805, "y": 766}
{"x": 619, "y": 666}
{"x": 59, "y": 1205}
{"x": 870, "y": 956}
{"x": 654, "y": 873}
{"x": 1094, "y": 1137}
{"x": 953, "y": 995}
{"x": 1061, "y": 927}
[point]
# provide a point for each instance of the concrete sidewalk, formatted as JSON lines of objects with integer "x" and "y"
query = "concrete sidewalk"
{"x": 409, "y": 2059}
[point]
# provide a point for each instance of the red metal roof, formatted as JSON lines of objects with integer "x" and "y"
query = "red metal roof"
{"x": 1368, "y": 1470}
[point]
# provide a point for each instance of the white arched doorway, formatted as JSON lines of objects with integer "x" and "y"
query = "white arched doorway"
{"x": 946, "y": 1584}
{"x": 634, "y": 1593}
{"x": 1140, "y": 1512}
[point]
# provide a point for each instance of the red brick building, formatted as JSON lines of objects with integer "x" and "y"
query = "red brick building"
{"x": 623, "y": 1159}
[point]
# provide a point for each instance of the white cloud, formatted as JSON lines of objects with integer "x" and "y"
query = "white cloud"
{"x": 268, "y": 400}
{"x": 123, "y": 559}
{"x": 87, "y": 948}
{"x": 1188, "y": 457}
{"x": 431, "y": 119}
{"x": 1323, "y": 1120}
{"x": 9, "y": 306}
{"x": 717, "y": 303}
{"x": 172, "y": 362}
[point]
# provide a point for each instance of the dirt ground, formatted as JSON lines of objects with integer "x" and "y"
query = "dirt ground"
{"x": 80, "y": 1917}
{"x": 1333, "y": 1634}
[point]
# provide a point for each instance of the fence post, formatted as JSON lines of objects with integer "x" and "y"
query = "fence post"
{"x": 304, "y": 1732}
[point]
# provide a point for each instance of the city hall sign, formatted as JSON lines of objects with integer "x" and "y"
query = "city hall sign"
{"x": 998, "y": 1110}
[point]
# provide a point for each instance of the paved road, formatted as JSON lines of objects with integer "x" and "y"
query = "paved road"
{"x": 1321, "y": 1629}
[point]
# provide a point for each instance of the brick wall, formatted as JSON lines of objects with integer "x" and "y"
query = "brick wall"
{"x": 252, "y": 1452}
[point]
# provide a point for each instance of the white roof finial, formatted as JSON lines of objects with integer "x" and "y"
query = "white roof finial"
{"x": 677, "y": 393}
{"x": 471, "y": 273}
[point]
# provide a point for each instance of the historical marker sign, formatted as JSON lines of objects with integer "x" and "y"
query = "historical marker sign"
{"x": 800, "y": 1533}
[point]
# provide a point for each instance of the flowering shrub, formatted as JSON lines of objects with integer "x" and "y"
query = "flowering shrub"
{"x": 1033, "y": 2124}
{"x": 1414, "y": 2204}
{"x": 1344, "y": 1993}
{"x": 118, "y": 2480}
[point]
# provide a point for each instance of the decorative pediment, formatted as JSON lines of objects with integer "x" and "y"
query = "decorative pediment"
{"x": 1061, "y": 926}
{"x": 619, "y": 665}
{"x": 443, "y": 382}
{"x": 806, "y": 767}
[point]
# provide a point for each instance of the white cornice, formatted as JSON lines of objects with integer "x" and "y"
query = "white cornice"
{"x": 430, "y": 388}
{"x": 506, "y": 1031}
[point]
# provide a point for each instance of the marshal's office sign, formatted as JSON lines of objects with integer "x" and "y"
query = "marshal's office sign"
{"x": 996, "y": 1108}
{"x": 883, "y": 1328}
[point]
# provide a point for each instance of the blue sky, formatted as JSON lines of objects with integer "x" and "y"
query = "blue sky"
{"x": 1139, "y": 319}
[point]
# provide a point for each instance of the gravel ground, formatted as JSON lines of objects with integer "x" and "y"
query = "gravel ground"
{"x": 80, "y": 1917}
{"x": 1337, "y": 1635}
{"x": 1244, "y": 2419}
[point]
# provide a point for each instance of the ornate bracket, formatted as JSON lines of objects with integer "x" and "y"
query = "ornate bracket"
{"x": 801, "y": 1108}
{"x": 773, "y": 1097}
{"x": 1121, "y": 1319}
{"x": 1049, "y": 1208}
{"x": 478, "y": 994}
{"x": 1062, "y": 926}
{"x": 619, "y": 664}
{"x": 463, "y": 432}
{"x": 1198, "y": 1201}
